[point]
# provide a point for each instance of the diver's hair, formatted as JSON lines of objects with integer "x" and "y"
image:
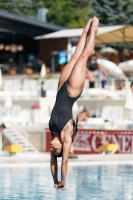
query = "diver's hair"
{"x": 131, "y": 84}
{"x": 60, "y": 154}
{"x": 75, "y": 128}
{"x": 3, "y": 126}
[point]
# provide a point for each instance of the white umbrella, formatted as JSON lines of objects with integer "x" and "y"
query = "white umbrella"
{"x": 108, "y": 50}
{"x": 1, "y": 82}
{"x": 126, "y": 66}
{"x": 111, "y": 67}
{"x": 129, "y": 100}
{"x": 76, "y": 32}
{"x": 8, "y": 102}
{"x": 43, "y": 71}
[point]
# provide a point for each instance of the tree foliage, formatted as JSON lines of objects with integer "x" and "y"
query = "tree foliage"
{"x": 62, "y": 12}
{"x": 112, "y": 12}
{"x": 75, "y": 13}
{"x": 67, "y": 13}
{"x": 23, "y": 7}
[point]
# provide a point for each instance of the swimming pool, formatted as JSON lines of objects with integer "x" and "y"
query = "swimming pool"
{"x": 106, "y": 182}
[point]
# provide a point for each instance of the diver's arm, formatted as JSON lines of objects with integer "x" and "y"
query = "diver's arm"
{"x": 54, "y": 169}
{"x": 66, "y": 150}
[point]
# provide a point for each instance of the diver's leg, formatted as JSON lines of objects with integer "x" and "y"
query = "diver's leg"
{"x": 77, "y": 76}
{"x": 69, "y": 66}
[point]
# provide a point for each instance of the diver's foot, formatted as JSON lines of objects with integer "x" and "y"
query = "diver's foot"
{"x": 95, "y": 22}
{"x": 88, "y": 26}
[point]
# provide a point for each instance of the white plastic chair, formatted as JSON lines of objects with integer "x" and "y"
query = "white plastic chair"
{"x": 85, "y": 92}
{"x": 46, "y": 106}
{"x": 16, "y": 85}
{"x": 107, "y": 113}
{"x": 5, "y": 115}
{"x": 80, "y": 108}
{"x": 55, "y": 84}
{"x": 16, "y": 88}
{"x": 13, "y": 117}
{"x": 8, "y": 85}
{"x": 33, "y": 84}
{"x": 5, "y": 111}
{"x": 16, "y": 109}
{"x": 95, "y": 122}
{"x": 50, "y": 84}
{"x": 25, "y": 85}
{"x": 118, "y": 113}
{"x": 51, "y": 93}
{"x": 29, "y": 89}
{"x": 7, "y": 88}
{"x": 118, "y": 116}
{"x": 34, "y": 87}
{"x": 24, "y": 117}
{"x": 131, "y": 116}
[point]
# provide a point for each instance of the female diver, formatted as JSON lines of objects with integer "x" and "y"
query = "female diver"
{"x": 63, "y": 128}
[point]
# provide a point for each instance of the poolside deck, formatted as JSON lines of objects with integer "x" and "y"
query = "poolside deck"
{"x": 80, "y": 158}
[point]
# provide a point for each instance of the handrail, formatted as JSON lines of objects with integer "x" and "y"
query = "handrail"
{"x": 25, "y": 134}
{"x": 19, "y": 134}
{"x": 22, "y": 130}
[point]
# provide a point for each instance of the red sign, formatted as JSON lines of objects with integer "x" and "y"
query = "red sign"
{"x": 86, "y": 141}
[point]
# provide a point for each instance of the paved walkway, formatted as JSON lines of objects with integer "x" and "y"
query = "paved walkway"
{"x": 45, "y": 158}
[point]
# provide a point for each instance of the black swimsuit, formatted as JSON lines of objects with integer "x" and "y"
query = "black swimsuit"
{"x": 62, "y": 110}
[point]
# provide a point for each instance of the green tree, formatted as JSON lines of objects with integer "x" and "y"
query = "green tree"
{"x": 75, "y": 13}
{"x": 62, "y": 12}
{"x": 112, "y": 12}
{"x": 23, "y": 7}
{"x": 67, "y": 13}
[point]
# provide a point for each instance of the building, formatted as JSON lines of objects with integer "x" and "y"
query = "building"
{"x": 66, "y": 40}
{"x": 17, "y": 44}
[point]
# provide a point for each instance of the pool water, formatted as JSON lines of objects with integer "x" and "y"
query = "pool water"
{"x": 109, "y": 182}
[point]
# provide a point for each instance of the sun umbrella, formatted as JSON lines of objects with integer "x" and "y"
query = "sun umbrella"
{"x": 129, "y": 100}
{"x": 43, "y": 71}
{"x": 123, "y": 34}
{"x": 111, "y": 67}
{"x": 126, "y": 66}
{"x": 129, "y": 97}
{"x": 8, "y": 102}
{"x": 108, "y": 50}
{"x": 76, "y": 32}
{"x": 105, "y": 35}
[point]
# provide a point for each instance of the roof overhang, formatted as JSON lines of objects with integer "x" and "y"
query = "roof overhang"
{"x": 66, "y": 33}
{"x": 106, "y": 34}
{"x": 25, "y": 25}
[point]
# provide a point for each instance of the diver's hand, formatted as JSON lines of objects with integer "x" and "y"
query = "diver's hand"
{"x": 56, "y": 185}
{"x": 61, "y": 186}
